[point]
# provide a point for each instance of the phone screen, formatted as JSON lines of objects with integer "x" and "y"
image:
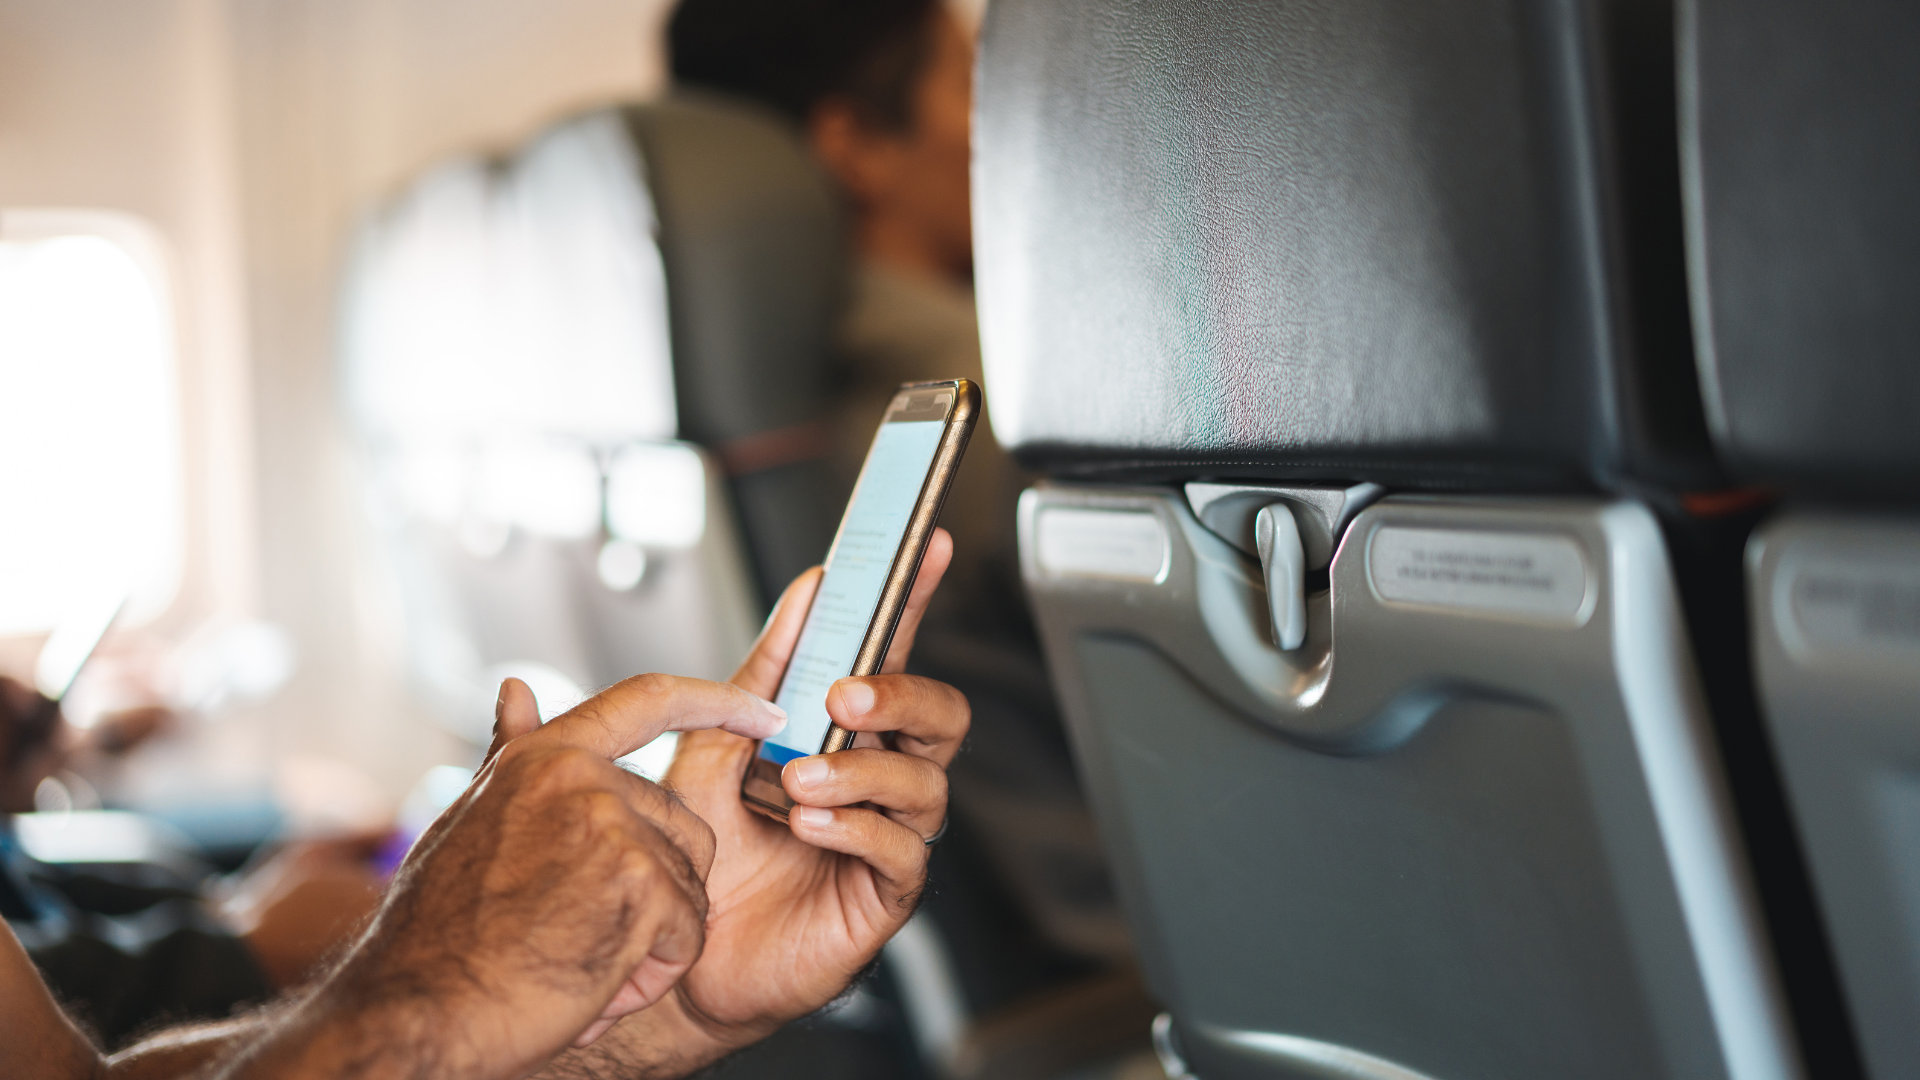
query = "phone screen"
{"x": 863, "y": 552}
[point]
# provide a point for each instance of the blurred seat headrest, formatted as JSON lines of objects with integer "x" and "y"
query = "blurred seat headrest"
{"x": 754, "y": 241}
{"x": 1801, "y": 160}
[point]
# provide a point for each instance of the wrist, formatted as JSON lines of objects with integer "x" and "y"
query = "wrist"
{"x": 671, "y": 1038}
{"x": 689, "y": 1025}
{"x": 338, "y": 1032}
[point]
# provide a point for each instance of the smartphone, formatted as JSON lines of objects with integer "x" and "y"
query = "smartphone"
{"x": 870, "y": 571}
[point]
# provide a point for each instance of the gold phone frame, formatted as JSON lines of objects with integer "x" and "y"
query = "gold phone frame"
{"x": 760, "y": 788}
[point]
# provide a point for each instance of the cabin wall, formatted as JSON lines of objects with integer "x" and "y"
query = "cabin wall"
{"x": 251, "y": 133}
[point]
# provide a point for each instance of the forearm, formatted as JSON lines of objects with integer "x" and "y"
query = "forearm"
{"x": 663, "y": 1042}
{"x": 332, "y": 1033}
{"x": 179, "y": 1052}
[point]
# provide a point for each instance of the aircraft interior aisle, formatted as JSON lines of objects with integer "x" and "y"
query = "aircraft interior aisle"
{"x": 1426, "y": 586}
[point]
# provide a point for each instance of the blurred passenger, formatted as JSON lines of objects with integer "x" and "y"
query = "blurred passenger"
{"x": 128, "y": 947}
{"x": 883, "y": 91}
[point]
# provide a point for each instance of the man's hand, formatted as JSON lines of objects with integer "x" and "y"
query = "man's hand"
{"x": 558, "y": 894}
{"x": 798, "y": 910}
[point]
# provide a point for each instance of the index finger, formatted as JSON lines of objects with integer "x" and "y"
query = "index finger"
{"x": 632, "y": 713}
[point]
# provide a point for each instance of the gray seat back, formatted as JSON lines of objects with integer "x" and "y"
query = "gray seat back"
{"x": 1803, "y": 230}
{"x": 1335, "y": 325}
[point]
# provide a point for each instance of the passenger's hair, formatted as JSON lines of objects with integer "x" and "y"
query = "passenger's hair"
{"x": 792, "y": 54}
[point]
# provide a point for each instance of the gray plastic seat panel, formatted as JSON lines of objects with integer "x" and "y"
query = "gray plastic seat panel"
{"x": 1836, "y": 605}
{"x": 1472, "y": 841}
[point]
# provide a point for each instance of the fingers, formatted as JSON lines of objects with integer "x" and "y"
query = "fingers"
{"x": 552, "y": 783}
{"x": 767, "y": 660}
{"x": 514, "y": 714}
{"x": 632, "y": 713}
{"x": 911, "y": 790}
{"x": 933, "y": 567}
{"x": 678, "y": 935}
{"x": 897, "y": 854}
{"x": 929, "y": 718}
{"x": 653, "y": 874}
{"x": 706, "y": 772}
{"x": 595, "y": 1030}
{"x": 674, "y": 943}
{"x": 679, "y": 824}
{"x": 628, "y": 1000}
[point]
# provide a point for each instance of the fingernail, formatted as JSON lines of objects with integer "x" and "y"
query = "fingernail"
{"x": 810, "y": 771}
{"x": 817, "y": 816}
{"x": 779, "y": 715}
{"x": 856, "y": 696}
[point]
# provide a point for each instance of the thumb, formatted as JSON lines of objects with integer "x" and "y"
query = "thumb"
{"x": 760, "y": 672}
{"x": 632, "y": 713}
{"x": 514, "y": 714}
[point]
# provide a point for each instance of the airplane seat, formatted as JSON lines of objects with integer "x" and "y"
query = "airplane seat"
{"x": 754, "y": 242}
{"x": 579, "y": 376}
{"x": 1802, "y": 233}
{"x": 1353, "y": 342}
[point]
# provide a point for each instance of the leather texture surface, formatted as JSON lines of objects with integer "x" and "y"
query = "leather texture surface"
{"x": 1376, "y": 239}
{"x": 753, "y": 240}
{"x": 1802, "y": 158}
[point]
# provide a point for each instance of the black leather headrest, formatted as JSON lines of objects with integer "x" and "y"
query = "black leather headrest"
{"x": 1399, "y": 240}
{"x": 1803, "y": 169}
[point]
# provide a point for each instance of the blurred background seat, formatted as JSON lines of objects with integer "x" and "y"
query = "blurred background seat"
{"x": 573, "y": 371}
{"x": 1355, "y": 341}
{"x": 1802, "y": 231}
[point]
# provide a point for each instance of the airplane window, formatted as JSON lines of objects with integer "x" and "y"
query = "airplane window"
{"x": 89, "y": 442}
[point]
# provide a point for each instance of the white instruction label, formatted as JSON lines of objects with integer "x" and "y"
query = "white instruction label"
{"x": 1523, "y": 574}
{"x": 1869, "y": 602}
{"x": 1074, "y": 541}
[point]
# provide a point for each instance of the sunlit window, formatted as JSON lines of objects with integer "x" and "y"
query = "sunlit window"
{"x": 89, "y": 437}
